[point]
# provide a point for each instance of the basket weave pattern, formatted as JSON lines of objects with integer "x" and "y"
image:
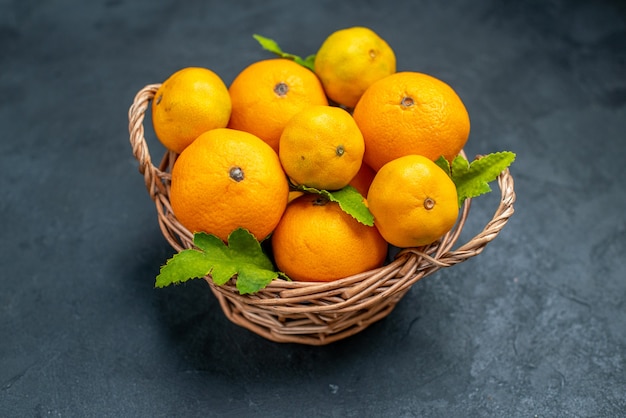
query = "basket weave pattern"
{"x": 306, "y": 312}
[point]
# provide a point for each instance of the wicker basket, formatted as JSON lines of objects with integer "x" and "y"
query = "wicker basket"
{"x": 307, "y": 312}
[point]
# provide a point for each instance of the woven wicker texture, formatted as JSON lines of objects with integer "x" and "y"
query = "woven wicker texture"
{"x": 314, "y": 313}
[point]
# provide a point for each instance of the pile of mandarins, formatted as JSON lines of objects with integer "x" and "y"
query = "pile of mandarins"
{"x": 245, "y": 151}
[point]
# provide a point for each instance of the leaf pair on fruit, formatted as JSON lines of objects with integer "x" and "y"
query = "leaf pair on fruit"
{"x": 472, "y": 179}
{"x": 243, "y": 256}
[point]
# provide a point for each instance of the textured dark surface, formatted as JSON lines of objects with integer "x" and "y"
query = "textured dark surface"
{"x": 534, "y": 326}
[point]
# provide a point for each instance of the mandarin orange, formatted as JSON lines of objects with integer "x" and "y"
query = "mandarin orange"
{"x": 350, "y": 60}
{"x": 321, "y": 147}
{"x": 317, "y": 241}
{"x": 228, "y": 179}
{"x": 191, "y": 101}
{"x": 266, "y": 94}
{"x": 414, "y": 202}
{"x": 411, "y": 113}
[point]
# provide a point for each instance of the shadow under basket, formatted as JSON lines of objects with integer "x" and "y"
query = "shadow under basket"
{"x": 307, "y": 312}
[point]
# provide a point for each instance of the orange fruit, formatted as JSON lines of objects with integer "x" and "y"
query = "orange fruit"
{"x": 363, "y": 179}
{"x": 350, "y": 60}
{"x": 191, "y": 101}
{"x": 266, "y": 94}
{"x": 228, "y": 179}
{"x": 317, "y": 241}
{"x": 414, "y": 202}
{"x": 411, "y": 113}
{"x": 321, "y": 147}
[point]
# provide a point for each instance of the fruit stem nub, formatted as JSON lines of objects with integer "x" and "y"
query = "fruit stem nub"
{"x": 281, "y": 89}
{"x": 320, "y": 201}
{"x": 429, "y": 203}
{"x": 236, "y": 173}
{"x": 407, "y": 101}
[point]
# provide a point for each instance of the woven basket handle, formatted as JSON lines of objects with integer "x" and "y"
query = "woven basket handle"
{"x": 477, "y": 244}
{"x": 136, "y": 114}
{"x": 494, "y": 226}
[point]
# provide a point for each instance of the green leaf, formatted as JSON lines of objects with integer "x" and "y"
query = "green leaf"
{"x": 252, "y": 280}
{"x": 187, "y": 264}
{"x": 350, "y": 201}
{"x": 444, "y": 165}
{"x": 245, "y": 249}
{"x": 243, "y": 257}
{"x": 208, "y": 241}
{"x": 473, "y": 179}
{"x": 308, "y": 62}
{"x": 273, "y": 47}
{"x": 268, "y": 44}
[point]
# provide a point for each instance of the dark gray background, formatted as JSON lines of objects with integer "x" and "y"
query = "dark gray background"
{"x": 534, "y": 326}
